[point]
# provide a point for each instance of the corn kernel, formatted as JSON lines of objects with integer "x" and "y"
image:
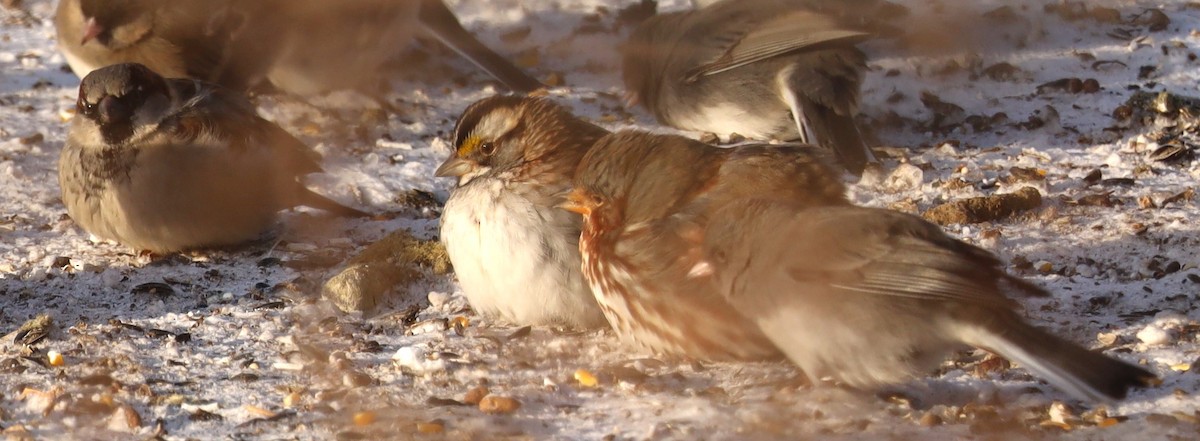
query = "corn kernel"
{"x": 364, "y": 418}
{"x": 496, "y": 404}
{"x": 291, "y": 400}
{"x": 586, "y": 378}
{"x": 55, "y": 358}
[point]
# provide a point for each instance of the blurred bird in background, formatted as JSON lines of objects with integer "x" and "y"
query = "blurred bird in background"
{"x": 877, "y": 17}
{"x": 765, "y": 69}
{"x": 301, "y": 47}
{"x": 168, "y": 165}
{"x": 931, "y": 30}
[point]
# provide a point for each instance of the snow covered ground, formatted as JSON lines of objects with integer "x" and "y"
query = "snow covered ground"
{"x": 238, "y": 344}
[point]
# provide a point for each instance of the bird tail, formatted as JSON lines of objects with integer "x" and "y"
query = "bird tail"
{"x": 1082, "y": 373}
{"x": 823, "y": 126}
{"x": 438, "y": 20}
{"x": 314, "y": 200}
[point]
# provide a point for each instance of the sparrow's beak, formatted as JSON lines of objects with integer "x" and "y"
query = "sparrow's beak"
{"x": 113, "y": 110}
{"x": 577, "y": 202}
{"x": 454, "y": 167}
{"x": 91, "y": 30}
{"x": 631, "y": 99}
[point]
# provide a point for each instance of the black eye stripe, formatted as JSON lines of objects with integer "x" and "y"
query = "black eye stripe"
{"x": 465, "y": 125}
{"x": 474, "y": 114}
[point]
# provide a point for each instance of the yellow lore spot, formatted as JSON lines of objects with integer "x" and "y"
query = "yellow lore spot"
{"x": 468, "y": 146}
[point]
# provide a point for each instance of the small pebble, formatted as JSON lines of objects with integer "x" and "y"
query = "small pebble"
{"x": 212, "y": 407}
{"x": 124, "y": 419}
{"x": 930, "y": 419}
{"x": 1044, "y": 267}
{"x": 409, "y": 356}
{"x": 1154, "y": 335}
{"x": 475, "y": 395}
{"x": 438, "y": 299}
{"x": 415, "y": 360}
{"x": 431, "y": 427}
{"x": 494, "y": 404}
{"x": 1107, "y": 338}
{"x": 428, "y": 327}
{"x": 905, "y": 177}
{"x": 1060, "y": 413}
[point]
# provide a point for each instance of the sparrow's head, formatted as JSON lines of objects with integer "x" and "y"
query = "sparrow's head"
{"x": 117, "y": 24}
{"x": 526, "y": 137}
{"x": 121, "y": 98}
{"x": 631, "y": 177}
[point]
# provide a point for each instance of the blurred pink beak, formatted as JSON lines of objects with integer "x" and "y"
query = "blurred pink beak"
{"x": 631, "y": 99}
{"x": 577, "y": 202}
{"x": 91, "y": 29}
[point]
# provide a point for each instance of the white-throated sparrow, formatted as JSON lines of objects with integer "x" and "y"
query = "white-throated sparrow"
{"x": 517, "y": 255}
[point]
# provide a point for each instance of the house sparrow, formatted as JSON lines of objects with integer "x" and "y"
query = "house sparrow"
{"x": 872, "y": 297}
{"x": 303, "y": 47}
{"x": 645, "y": 199}
{"x": 516, "y": 255}
{"x": 173, "y": 164}
{"x": 765, "y": 69}
{"x": 177, "y": 39}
